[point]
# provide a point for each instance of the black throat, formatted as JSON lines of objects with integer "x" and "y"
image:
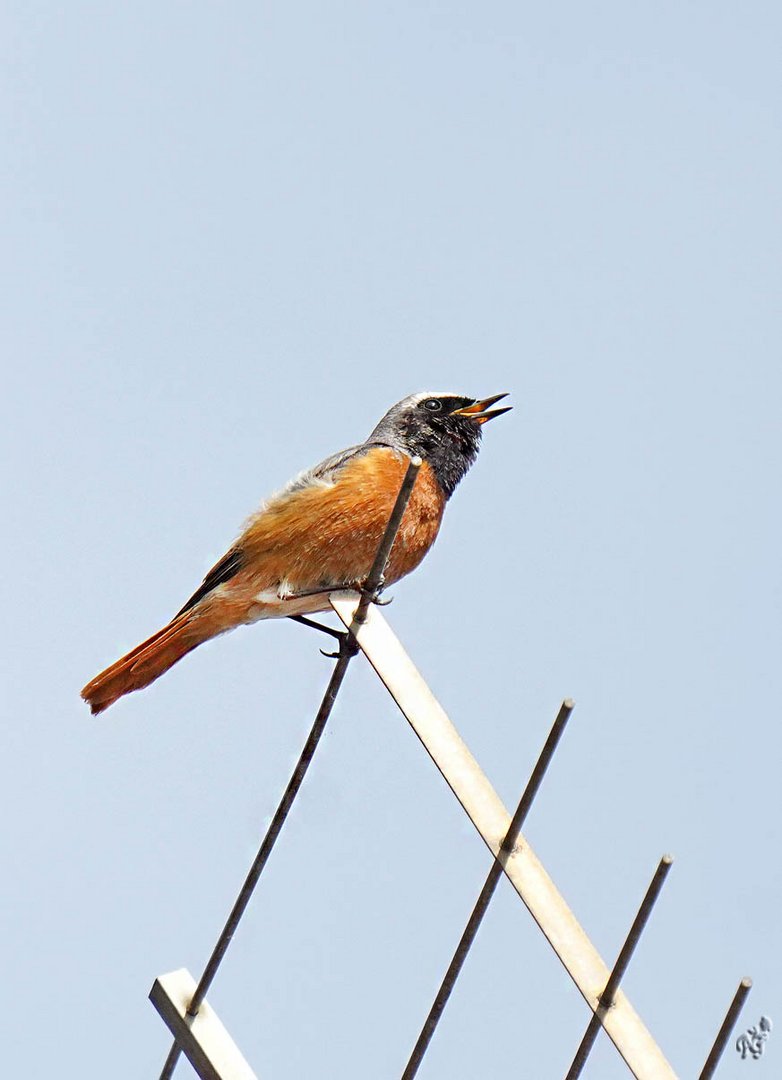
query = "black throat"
{"x": 449, "y": 444}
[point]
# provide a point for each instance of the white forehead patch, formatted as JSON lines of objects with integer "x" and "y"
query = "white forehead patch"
{"x": 436, "y": 393}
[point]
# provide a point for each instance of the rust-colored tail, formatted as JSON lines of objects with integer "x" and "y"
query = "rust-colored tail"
{"x": 148, "y": 661}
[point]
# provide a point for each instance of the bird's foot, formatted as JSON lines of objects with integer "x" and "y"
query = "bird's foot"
{"x": 347, "y": 643}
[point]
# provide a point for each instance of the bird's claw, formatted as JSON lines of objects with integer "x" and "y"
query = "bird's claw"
{"x": 348, "y": 646}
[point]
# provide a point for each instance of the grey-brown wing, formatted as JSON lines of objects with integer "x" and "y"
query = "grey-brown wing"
{"x": 224, "y": 570}
{"x": 330, "y": 466}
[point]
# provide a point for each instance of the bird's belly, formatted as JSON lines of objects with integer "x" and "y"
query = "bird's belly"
{"x": 269, "y": 605}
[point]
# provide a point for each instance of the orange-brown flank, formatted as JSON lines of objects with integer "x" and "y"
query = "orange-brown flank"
{"x": 324, "y": 536}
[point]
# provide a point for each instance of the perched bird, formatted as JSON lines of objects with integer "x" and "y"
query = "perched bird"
{"x": 321, "y": 533}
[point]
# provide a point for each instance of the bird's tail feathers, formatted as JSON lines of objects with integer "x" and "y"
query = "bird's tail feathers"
{"x": 148, "y": 661}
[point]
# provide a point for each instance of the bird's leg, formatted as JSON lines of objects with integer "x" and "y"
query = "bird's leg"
{"x": 317, "y": 626}
{"x": 347, "y": 643}
{"x": 350, "y": 585}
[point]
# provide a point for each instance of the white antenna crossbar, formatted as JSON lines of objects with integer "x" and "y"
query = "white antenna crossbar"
{"x": 487, "y": 813}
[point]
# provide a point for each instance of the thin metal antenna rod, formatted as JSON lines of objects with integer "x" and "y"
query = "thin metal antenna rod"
{"x": 482, "y": 904}
{"x": 348, "y": 650}
{"x": 376, "y": 580}
{"x": 607, "y": 997}
{"x": 725, "y": 1031}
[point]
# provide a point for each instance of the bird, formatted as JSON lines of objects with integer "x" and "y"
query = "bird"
{"x": 320, "y": 533}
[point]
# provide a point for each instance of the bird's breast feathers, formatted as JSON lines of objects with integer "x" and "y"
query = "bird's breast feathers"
{"x": 321, "y": 535}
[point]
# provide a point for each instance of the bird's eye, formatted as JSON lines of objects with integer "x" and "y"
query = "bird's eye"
{"x": 433, "y": 405}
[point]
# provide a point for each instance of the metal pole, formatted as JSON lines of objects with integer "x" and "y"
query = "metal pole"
{"x": 482, "y": 904}
{"x": 607, "y": 997}
{"x": 725, "y": 1031}
{"x": 375, "y": 581}
{"x": 348, "y": 650}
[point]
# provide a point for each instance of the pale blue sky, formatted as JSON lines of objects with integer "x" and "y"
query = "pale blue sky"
{"x": 233, "y": 236}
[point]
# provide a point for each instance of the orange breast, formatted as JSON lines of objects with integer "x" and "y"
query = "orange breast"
{"x": 326, "y": 535}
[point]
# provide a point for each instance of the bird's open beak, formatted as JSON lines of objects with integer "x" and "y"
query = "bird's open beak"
{"x": 480, "y": 411}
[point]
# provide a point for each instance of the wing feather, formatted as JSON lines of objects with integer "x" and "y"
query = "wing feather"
{"x": 228, "y": 567}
